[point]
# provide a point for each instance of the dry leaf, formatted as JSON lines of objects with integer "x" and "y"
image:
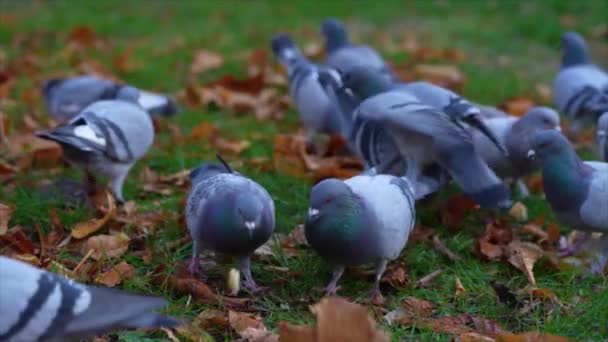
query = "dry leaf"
{"x": 6, "y": 211}
{"x": 537, "y": 231}
{"x": 116, "y": 274}
{"x": 448, "y": 76}
{"x": 518, "y": 106}
{"x": 474, "y": 337}
{"x": 523, "y": 255}
{"x": 248, "y": 326}
{"x": 205, "y": 60}
{"x": 296, "y": 333}
{"x": 427, "y": 280}
{"x": 84, "y": 229}
{"x": 460, "y": 290}
{"x": 111, "y": 246}
{"x": 519, "y": 211}
{"x": 532, "y": 336}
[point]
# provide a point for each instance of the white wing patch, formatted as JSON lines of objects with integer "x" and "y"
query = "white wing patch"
{"x": 87, "y": 133}
{"x": 150, "y": 100}
{"x": 289, "y": 53}
{"x": 391, "y": 207}
{"x": 83, "y": 301}
{"x": 43, "y": 318}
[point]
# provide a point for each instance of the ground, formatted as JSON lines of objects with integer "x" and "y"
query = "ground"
{"x": 511, "y": 48}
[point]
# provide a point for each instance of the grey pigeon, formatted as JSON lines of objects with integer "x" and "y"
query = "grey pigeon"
{"x": 107, "y": 138}
{"x": 602, "y": 136}
{"x": 453, "y": 105}
{"x": 581, "y": 88}
{"x": 515, "y": 133}
{"x": 316, "y": 110}
{"x": 392, "y": 124}
{"x": 364, "y": 219}
{"x": 66, "y": 98}
{"x": 576, "y": 190}
{"x": 342, "y": 54}
{"x": 228, "y": 213}
{"x": 36, "y": 305}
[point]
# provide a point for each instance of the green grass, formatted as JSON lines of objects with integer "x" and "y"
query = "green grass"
{"x": 526, "y": 33}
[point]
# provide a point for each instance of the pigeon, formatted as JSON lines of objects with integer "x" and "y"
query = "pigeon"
{"x": 107, "y": 138}
{"x": 602, "y": 136}
{"x": 453, "y": 105}
{"x": 228, "y": 213}
{"x": 65, "y": 98}
{"x": 515, "y": 133}
{"x": 342, "y": 54}
{"x": 316, "y": 110}
{"x": 577, "y": 191}
{"x": 364, "y": 219}
{"x": 391, "y": 125}
{"x": 581, "y": 88}
{"x": 36, "y": 305}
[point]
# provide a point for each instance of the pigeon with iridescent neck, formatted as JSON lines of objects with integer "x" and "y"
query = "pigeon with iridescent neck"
{"x": 581, "y": 88}
{"x": 576, "y": 190}
{"x": 602, "y": 137}
{"x": 515, "y": 133}
{"x": 106, "y": 139}
{"x": 317, "y": 111}
{"x": 36, "y": 305}
{"x": 393, "y": 125}
{"x": 65, "y": 98}
{"x": 364, "y": 219}
{"x": 342, "y": 54}
{"x": 228, "y": 213}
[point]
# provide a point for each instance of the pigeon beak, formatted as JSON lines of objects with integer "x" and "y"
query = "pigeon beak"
{"x": 601, "y": 134}
{"x": 313, "y": 213}
{"x": 250, "y": 225}
{"x": 558, "y": 128}
{"x": 531, "y": 154}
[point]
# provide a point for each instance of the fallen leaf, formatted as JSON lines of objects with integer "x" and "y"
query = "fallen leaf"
{"x": 448, "y": 76}
{"x": 443, "y": 249}
{"x": 205, "y": 60}
{"x": 110, "y": 246}
{"x": 84, "y": 229}
{"x": 248, "y": 326}
{"x": 518, "y": 106}
{"x": 116, "y": 274}
{"x": 519, "y": 211}
{"x": 209, "y": 132}
{"x": 537, "y": 231}
{"x": 460, "y": 290}
{"x": 427, "y": 280}
{"x": 455, "y": 209}
{"x": 396, "y": 276}
{"x": 474, "y": 337}
{"x": 540, "y": 293}
{"x": 340, "y": 320}
{"x": 296, "y": 333}
{"x": 6, "y": 211}
{"x": 17, "y": 240}
{"x": 82, "y": 35}
{"x": 523, "y": 255}
{"x": 532, "y": 336}
{"x": 33, "y": 151}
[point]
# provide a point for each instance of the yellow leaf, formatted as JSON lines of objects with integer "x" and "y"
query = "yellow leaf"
{"x": 84, "y": 229}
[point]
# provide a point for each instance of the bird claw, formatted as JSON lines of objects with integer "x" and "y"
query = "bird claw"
{"x": 375, "y": 296}
{"x": 253, "y": 288}
{"x": 329, "y": 290}
{"x": 195, "y": 271}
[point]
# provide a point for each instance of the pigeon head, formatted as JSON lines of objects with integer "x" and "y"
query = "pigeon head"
{"x": 574, "y": 50}
{"x": 283, "y": 47}
{"x": 540, "y": 118}
{"x": 335, "y": 34}
{"x": 326, "y": 197}
{"x": 128, "y": 93}
{"x": 602, "y": 135}
{"x": 549, "y": 143}
{"x": 50, "y": 85}
{"x": 365, "y": 82}
{"x": 249, "y": 209}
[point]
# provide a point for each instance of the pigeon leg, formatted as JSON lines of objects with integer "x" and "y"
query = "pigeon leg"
{"x": 522, "y": 188}
{"x": 90, "y": 183}
{"x": 332, "y": 287}
{"x": 599, "y": 265}
{"x": 380, "y": 268}
{"x": 248, "y": 283}
{"x": 117, "y": 182}
{"x": 575, "y": 248}
{"x": 194, "y": 267}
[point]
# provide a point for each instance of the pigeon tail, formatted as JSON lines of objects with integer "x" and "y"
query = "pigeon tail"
{"x": 65, "y": 135}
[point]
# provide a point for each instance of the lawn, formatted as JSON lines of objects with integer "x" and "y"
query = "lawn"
{"x": 510, "y": 48}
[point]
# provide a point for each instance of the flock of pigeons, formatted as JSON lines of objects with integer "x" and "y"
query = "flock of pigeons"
{"x": 414, "y": 139}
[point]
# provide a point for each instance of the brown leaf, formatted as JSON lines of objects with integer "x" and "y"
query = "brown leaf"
{"x": 295, "y": 238}
{"x": 208, "y": 131}
{"x": 448, "y": 76}
{"x": 474, "y": 337}
{"x": 340, "y": 320}
{"x": 537, "y": 231}
{"x": 489, "y": 250}
{"x": 519, "y": 211}
{"x": 82, "y": 35}
{"x": 116, "y": 274}
{"x": 86, "y": 228}
{"x": 553, "y": 233}
{"x": 523, "y": 255}
{"x": 205, "y": 60}
{"x": 123, "y": 61}
{"x": 532, "y": 336}
{"x": 518, "y": 106}
{"x": 540, "y": 293}
{"x": 253, "y": 85}
{"x": 248, "y": 326}
{"x": 427, "y": 281}
{"x": 460, "y": 290}
{"x": 396, "y": 276}
{"x": 33, "y": 151}
{"x": 17, "y": 240}
{"x": 455, "y": 209}
{"x": 296, "y": 333}
{"x": 111, "y": 246}
{"x": 6, "y": 211}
